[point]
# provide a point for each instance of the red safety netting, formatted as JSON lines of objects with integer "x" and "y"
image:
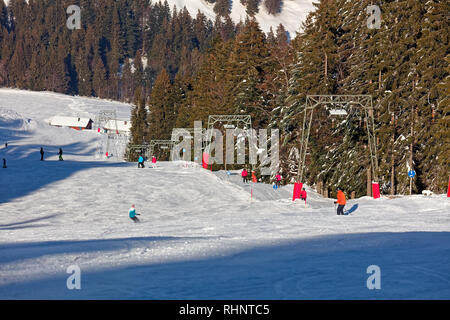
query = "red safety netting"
{"x": 205, "y": 160}
{"x": 376, "y": 190}
{"x": 297, "y": 190}
{"x": 448, "y": 192}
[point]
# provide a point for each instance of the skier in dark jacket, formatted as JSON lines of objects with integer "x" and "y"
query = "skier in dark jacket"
{"x": 4, "y": 163}
{"x": 42, "y": 154}
{"x": 60, "y": 154}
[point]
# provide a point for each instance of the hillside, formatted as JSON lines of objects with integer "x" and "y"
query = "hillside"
{"x": 24, "y": 125}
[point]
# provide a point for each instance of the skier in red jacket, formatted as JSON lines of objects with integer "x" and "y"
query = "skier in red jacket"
{"x": 303, "y": 194}
{"x": 278, "y": 182}
{"x": 244, "y": 175}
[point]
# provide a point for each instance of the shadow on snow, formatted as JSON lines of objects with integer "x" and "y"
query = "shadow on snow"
{"x": 414, "y": 265}
{"x": 27, "y": 174}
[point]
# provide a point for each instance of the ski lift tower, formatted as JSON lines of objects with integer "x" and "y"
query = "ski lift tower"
{"x": 228, "y": 122}
{"x": 104, "y": 117}
{"x": 164, "y": 144}
{"x": 143, "y": 149}
{"x": 345, "y": 104}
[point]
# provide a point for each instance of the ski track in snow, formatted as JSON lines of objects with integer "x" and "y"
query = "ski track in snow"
{"x": 202, "y": 236}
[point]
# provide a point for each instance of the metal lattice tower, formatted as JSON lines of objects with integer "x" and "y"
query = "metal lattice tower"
{"x": 103, "y": 117}
{"x": 346, "y": 102}
{"x": 245, "y": 120}
{"x": 163, "y": 143}
{"x": 140, "y": 148}
{"x": 113, "y": 138}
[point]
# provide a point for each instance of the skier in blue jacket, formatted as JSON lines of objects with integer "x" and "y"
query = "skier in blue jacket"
{"x": 133, "y": 214}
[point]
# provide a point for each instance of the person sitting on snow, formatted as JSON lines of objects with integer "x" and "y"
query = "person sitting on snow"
{"x": 133, "y": 214}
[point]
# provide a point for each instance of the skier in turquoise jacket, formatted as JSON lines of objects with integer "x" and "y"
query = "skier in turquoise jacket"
{"x": 132, "y": 213}
{"x": 141, "y": 162}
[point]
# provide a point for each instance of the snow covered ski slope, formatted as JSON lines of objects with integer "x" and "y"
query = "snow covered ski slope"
{"x": 25, "y": 118}
{"x": 202, "y": 236}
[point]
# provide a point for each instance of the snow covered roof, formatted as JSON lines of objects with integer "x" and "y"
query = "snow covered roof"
{"x": 70, "y": 121}
{"x": 122, "y": 125}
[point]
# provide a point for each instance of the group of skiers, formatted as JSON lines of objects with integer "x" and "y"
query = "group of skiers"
{"x": 141, "y": 161}
{"x": 41, "y": 152}
{"x": 60, "y": 153}
{"x": 341, "y": 199}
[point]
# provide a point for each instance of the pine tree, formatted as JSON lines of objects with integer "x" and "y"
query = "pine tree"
{"x": 4, "y": 24}
{"x": 252, "y": 7}
{"x": 222, "y": 8}
{"x": 162, "y": 115}
{"x": 99, "y": 78}
{"x": 138, "y": 119}
{"x": 138, "y": 73}
{"x": 127, "y": 86}
{"x": 432, "y": 60}
{"x": 209, "y": 95}
{"x": 273, "y": 6}
{"x": 116, "y": 54}
{"x": 246, "y": 71}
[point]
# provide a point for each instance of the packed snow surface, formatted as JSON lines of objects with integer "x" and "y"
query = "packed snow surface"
{"x": 203, "y": 235}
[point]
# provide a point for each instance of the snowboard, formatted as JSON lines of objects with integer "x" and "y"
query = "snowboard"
{"x": 352, "y": 209}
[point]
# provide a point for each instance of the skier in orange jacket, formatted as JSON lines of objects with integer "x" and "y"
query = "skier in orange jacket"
{"x": 341, "y": 201}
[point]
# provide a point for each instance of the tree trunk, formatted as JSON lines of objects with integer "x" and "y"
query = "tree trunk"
{"x": 379, "y": 80}
{"x": 392, "y": 177}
